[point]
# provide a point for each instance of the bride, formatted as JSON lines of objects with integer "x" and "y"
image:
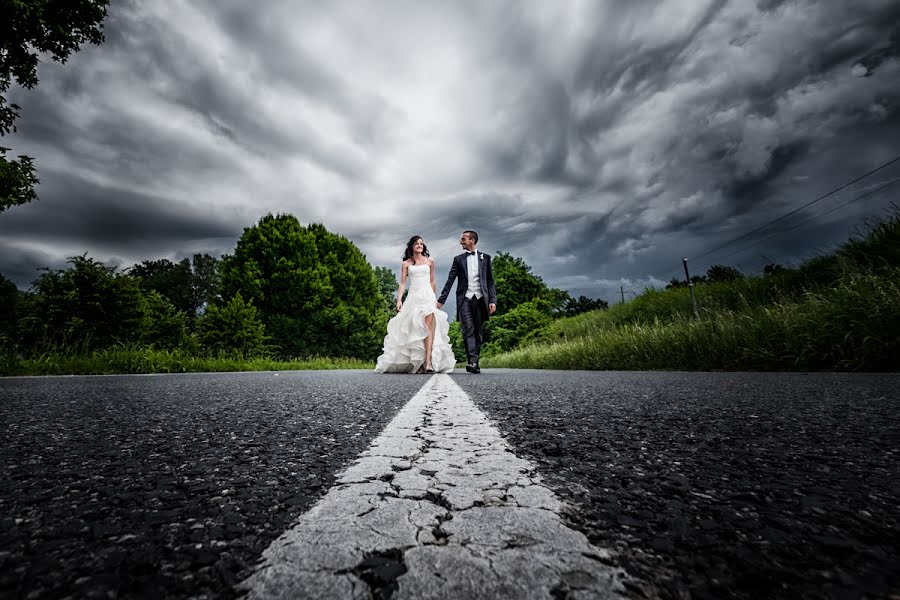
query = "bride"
{"x": 417, "y": 340}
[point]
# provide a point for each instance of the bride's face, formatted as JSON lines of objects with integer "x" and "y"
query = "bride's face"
{"x": 419, "y": 245}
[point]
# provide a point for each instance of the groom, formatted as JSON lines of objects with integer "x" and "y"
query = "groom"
{"x": 476, "y": 298}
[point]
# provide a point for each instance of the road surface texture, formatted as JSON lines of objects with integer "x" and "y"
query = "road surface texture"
{"x": 702, "y": 485}
{"x": 719, "y": 485}
{"x": 171, "y": 485}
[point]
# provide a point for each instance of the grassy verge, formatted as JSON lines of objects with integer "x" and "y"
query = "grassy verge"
{"x": 852, "y": 326}
{"x": 148, "y": 360}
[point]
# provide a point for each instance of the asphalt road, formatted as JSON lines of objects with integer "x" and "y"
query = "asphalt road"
{"x": 708, "y": 485}
{"x": 720, "y": 485}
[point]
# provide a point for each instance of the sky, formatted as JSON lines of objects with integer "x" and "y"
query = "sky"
{"x": 600, "y": 141}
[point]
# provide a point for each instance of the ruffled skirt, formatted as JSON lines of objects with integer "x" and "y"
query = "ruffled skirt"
{"x": 404, "y": 344}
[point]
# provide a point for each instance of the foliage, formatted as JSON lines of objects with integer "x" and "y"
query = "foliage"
{"x": 163, "y": 325}
{"x": 188, "y": 285}
{"x": 854, "y": 326}
{"x": 206, "y": 280}
{"x": 771, "y": 269}
{"x": 525, "y": 304}
{"x": 28, "y": 29}
{"x": 315, "y": 291}
{"x": 172, "y": 280}
{"x": 88, "y": 305}
{"x": 133, "y": 359}
{"x": 17, "y": 180}
{"x": 9, "y": 299}
{"x": 233, "y": 329}
{"x": 509, "y": 329}
{"x": 722, "y": 273}
{"x": 456, "y": 342}
{"x": 387, "y": 287}
{"x": 583, "y": 304}
{"x": 834, "y": 312}
{"x": 515, "y": 282}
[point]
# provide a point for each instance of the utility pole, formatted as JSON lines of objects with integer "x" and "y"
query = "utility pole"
{"x": 622, "y": 290}
{"x": 691, "y": 288}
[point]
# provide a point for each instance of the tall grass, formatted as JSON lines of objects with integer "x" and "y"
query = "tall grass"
{"x": 835, "y": 312}
{"x": 149, "y": 360}
{"x": 854, "y": 326}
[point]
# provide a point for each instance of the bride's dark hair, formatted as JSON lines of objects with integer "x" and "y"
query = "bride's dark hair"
{"x": 409, "y": 247}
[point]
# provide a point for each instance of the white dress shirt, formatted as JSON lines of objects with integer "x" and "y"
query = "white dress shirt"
{"x": 472, "y": 265}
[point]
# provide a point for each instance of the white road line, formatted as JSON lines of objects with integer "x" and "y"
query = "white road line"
{"x": 437, "y": 507}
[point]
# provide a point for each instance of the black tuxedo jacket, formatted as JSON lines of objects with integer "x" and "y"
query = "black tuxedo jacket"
{"x": 459, "y": 272}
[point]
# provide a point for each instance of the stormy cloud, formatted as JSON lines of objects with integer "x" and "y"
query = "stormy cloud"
{"x": 599, "y": 141}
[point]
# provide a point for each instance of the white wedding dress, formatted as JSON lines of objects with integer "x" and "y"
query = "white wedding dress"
{"x": 404, "y": 344}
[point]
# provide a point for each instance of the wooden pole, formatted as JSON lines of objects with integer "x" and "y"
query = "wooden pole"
{"x": 691, "y": 289}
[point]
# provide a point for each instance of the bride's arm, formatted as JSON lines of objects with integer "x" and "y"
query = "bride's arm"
{"x": 402, "y": 285}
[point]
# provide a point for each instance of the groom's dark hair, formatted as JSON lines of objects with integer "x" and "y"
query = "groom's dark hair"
{"x": 472, "y": 234}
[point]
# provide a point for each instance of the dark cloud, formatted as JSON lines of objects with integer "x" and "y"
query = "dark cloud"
{"x": 120, "y": 226}
{"x": 108, "y": 217}
{"x": 601, "y": 143}
{"x": 22, "y": 265}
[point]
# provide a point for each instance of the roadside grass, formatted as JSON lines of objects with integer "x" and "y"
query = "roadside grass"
{"x": 837, "y": 312}
{"x": 148, "y": 360}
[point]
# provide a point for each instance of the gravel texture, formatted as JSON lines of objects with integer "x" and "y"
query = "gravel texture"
{"x": 719, "y": 485}
{"x": 172, "y": 485}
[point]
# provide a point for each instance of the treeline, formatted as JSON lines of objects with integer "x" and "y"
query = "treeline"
{"x": 525, "y": 306}
{"x": 287, "y": 291}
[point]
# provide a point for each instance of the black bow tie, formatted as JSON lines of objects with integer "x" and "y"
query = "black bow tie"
{"x": 470, "y": 253}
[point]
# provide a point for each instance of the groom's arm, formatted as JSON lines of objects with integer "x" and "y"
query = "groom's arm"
{"x": 446, "y": 291}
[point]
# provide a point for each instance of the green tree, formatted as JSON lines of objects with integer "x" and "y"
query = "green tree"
{"x": 456, "y": 342}
{"x": 206, "y": 280}
{"x": 172, "y": 280}
{"x": 387, "y": 287}
{"x": 17, "y": 179}
{"x": 315, "y": 291}
{"x": 583, "y": 304}
{"x": 85, "y": 307}
{"x": 512, "y": 328}
{"x": 723, "y": 274}
{"x": 29, "y": 28}
{"x": 515, "y": 282}
{"x": 163, "y": 325}
{"x": 234, "y": 328}
{"x": 189, "y": 285}
{"x": 772, "y": 268}
{"x": 9, "y": 299}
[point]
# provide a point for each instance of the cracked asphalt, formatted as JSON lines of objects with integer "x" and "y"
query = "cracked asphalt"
{"x": 707, "y": 485}
{"x": 170, "y": 486}
{"x": 438, "y": 507}
{"x": 719, "y": 485}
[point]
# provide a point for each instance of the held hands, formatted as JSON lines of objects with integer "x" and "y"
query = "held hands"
{"x": 399, "y": 304}
{"x": 492, "y": 308}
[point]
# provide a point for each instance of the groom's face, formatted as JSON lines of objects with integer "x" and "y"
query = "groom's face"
{"x": 467, "y": 242}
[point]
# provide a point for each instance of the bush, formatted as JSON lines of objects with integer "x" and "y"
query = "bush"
{"x": 234, "y": 329}
{"x": 512, "y": 328}
{"x": 163, "y": 325}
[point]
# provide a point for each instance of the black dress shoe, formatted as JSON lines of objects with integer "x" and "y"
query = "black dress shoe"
{"x": 473, "y": 368}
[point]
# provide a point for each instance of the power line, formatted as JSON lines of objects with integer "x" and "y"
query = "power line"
{"x": 796, "y": 210}
{"x": 814, "y": 217}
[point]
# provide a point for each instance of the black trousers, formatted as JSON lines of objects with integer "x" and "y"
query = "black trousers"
{"x": 472, "y": 315}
